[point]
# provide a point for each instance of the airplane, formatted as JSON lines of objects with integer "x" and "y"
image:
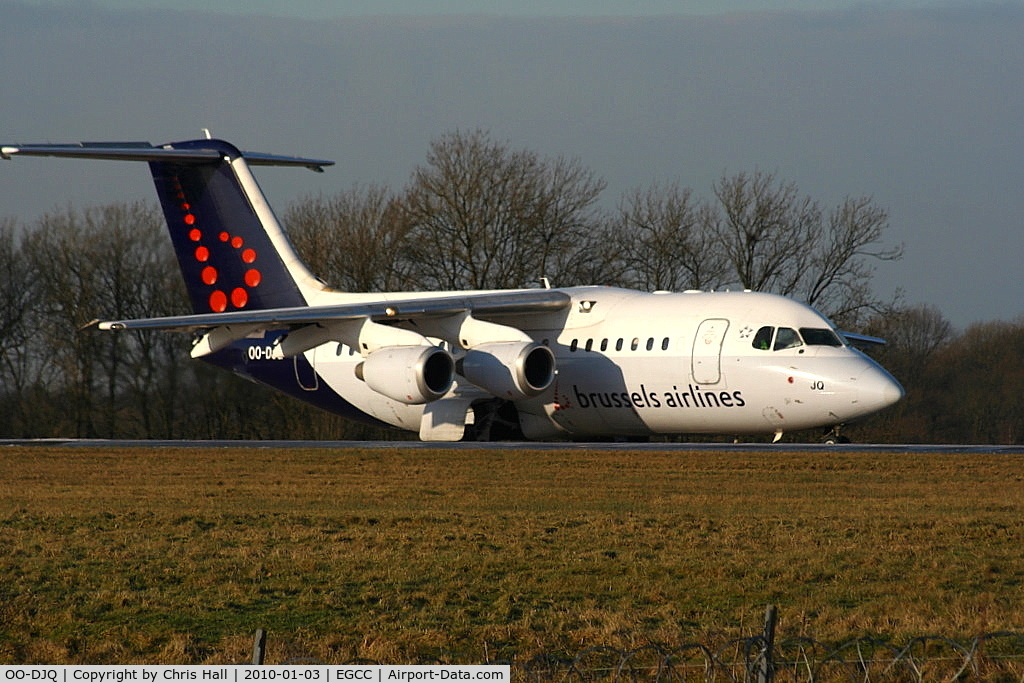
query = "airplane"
{"x": 550, "y": 364}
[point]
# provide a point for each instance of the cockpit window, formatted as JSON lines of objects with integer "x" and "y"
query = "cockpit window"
{"x": 787, "y": 338}
{"x": 819, "y": 337}
{"x": 763, "y": 338}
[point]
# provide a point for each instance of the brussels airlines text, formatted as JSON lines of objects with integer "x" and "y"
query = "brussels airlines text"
{"x": 690, "y": 397}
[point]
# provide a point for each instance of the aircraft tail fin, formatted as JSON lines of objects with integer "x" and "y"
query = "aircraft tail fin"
{"x": 233, "y": 253}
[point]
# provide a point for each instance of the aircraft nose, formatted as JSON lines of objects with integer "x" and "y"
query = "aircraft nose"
{"x": 878, "y": 389}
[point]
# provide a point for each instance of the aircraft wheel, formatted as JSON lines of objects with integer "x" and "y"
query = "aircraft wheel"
{"x": 495, "y": 420}
{"x": 834, "y": 437}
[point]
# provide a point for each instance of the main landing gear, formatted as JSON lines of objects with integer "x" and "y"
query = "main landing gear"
{"x": 494, "y": 420}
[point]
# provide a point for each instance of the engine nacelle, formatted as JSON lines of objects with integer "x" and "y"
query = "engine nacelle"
{"x": 409, "y": 374}
{"x": 510, "y": 370}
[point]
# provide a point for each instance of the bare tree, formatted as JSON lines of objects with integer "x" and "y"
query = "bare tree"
{"x": 151, "y": 380}
{"x": 20, "y": 365}
{"x": 483, "y": 216}
{"x": 58, "y": 250}
{"x": 665, "y": 239}
{"x": 109, "y": 261}
{"x": 16, "y": 282}
{"x": 765, "y": 230}
{"x": 352, "y": 240}
{"x": 913, "y": 335}
{"x": 976, "y": 386}
{"x": 838, "y": 278}
{"x": 777, "y": 240}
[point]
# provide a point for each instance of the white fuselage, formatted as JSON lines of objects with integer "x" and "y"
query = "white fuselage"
{"x": 634, "y": 363}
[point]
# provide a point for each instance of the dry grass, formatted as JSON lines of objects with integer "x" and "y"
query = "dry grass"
{"x": 179, "y": 555}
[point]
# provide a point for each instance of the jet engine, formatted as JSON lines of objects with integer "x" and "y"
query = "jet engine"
{"x": 408, "y": 374}
{"x": 509, "y": 370}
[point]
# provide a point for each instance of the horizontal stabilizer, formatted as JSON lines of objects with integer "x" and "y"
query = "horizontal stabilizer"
{"x": 143, "y": 151}
{"x": 384, "y": 310}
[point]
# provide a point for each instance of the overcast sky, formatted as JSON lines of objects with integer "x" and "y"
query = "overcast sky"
{"x": 328, "y": 9}
{"x": 918, "y": 104}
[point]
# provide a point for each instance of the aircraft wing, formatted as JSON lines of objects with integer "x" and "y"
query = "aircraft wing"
{"x": 382, "y": 310}
{"x": 862, "y": 340}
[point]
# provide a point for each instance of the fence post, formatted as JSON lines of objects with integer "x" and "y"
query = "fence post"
{"x": 767, "y": 669}
{"x": 259, "y": 647}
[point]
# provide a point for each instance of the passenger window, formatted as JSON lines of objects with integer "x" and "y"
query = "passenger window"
{"x": 763, "y": 338}
{"x": 787, "y": 339}
{"x": 664, "y": 344}
{"x": 819, "y": 337}
{"x": 650, "y": 344}
{"x": 574, "y": 345}
{"x": 589, "y": 345}
{"x": 635, "y": 345}
{"x": 604, "y": 344}
{"x": 618, "y": 344}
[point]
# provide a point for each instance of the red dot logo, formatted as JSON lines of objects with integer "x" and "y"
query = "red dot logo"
{"x": 218, "y": 301}
{"x": 239, "y": 297}
{"x": 214, "y": 274}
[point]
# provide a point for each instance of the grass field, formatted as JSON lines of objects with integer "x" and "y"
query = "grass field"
{"x": 179, "y": 555}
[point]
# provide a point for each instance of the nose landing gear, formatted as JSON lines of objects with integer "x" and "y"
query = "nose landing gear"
{"x": 834, "y": 437}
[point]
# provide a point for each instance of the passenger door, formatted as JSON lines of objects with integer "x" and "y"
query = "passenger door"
{"x": 706, "y": 360}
